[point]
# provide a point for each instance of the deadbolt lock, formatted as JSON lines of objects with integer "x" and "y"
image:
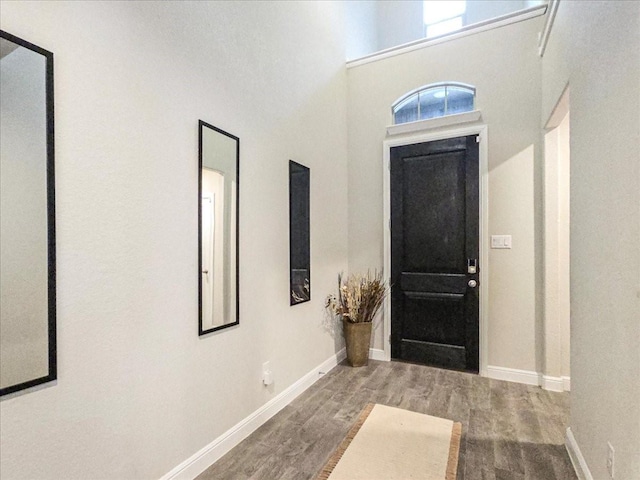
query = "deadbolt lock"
{"x": 472, "y": 265}
{"x": 472, "y": 283}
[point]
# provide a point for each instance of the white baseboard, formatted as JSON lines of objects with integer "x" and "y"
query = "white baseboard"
{"x": 527, "y": 377}
{"x": 206, "y": 456}
{"x": 553, "y": 384}
{"x": 377, "y": 354}
{"x": 577, "y": 460}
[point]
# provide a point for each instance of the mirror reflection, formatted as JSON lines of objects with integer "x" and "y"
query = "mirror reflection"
{"x": 27, "y": 226}
{"x": 218, "y": 224}
{"x": 299, "y": 248}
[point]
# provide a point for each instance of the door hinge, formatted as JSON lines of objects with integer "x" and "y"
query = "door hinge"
{"x": 478, "y": 139}
{"x": 389, "y": 165}
{"x": 389, "y": 338}
{"x": 389, "y": 224}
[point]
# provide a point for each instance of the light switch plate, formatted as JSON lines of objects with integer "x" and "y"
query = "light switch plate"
{"x": 500, "y": 241}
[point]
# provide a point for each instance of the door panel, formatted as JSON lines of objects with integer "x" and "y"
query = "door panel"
{"x": 441, "y": 226}
{"x": 434, "y": 234}
{"x": 446, "y": 314}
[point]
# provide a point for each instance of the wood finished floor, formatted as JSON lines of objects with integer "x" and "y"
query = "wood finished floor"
{"x": 510, "y": 431}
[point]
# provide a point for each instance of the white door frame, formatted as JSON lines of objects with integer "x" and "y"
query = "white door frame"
{"x": 482, "y": 131}
{"x": 556, "y": 313}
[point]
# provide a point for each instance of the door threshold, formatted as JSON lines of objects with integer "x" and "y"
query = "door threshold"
{"x": 471, "y": 372}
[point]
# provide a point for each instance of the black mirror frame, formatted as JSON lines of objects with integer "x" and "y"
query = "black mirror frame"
{"x": 202, "y": 124}
{"x": 304, "y": 224}
{"x": 51, "y": 220}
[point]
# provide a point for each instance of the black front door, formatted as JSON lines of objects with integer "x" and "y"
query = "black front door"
{"x": 434, "y": 253}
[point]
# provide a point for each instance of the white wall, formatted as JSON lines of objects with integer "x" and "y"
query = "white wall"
{"x": 480, "y": 10}
{"x": 398, "y": 22}
{"x": 24, "y": 350}
{"x": 510, "y": 106}
{"x": 138, "y": 391}
{"x": 594, "y": 47}
{"x": 361, "y": 21}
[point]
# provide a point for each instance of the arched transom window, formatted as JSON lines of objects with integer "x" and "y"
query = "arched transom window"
{"x": 435, "y": 100}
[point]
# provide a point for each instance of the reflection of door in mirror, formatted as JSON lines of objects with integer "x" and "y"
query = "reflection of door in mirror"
{"x": 27, "y": 240}
{"x": 208, "y": 221}
{"x": 218, "y": 229}
{"x": 213, "y": 281}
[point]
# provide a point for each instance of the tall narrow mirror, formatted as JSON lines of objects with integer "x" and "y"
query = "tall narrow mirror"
{"x": 299, "y": 248}
{"x": 219, "y": 154}
{"x": 27, "y": 216}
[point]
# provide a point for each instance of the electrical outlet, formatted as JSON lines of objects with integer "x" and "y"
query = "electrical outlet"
{"x": 267, "y": 374}
{"x": 610, "y": 460}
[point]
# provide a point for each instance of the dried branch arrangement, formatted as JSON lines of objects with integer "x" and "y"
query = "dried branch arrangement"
{"x": 359, "y": 297}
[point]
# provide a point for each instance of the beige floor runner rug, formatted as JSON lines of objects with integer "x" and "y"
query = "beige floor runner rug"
{"x": 389, "y": 443}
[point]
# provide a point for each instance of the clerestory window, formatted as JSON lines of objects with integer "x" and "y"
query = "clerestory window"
{"x": 443, "y": 16}
{"x": 435, "y": 100}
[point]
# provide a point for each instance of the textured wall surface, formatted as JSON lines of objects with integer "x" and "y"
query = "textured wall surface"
{"x": 138, "y": 391}
{"x": 594, "y": 48}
